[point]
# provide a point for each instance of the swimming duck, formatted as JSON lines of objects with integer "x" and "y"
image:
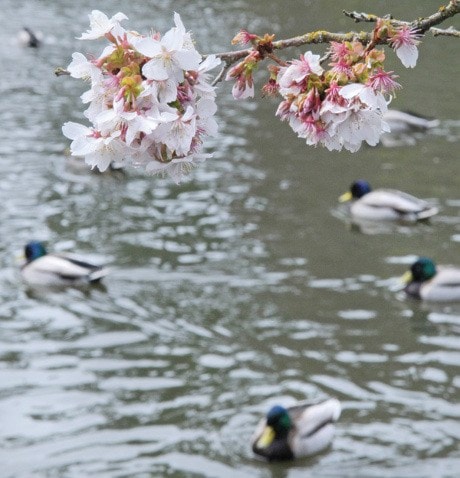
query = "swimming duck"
{"x": 404, "y": 121}
{"x": 385, "y": 204}
{"x": 432, "y": 283}
{"x": 28, "y": 38}
{"x": 405, "y": 128}
{"x": 46, "y": 269}
{"x": 298, "y": 431}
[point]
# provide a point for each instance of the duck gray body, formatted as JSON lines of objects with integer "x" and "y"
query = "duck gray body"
{"x": 386, "y": 204}
{"x": 391, "y": 204}
{"x": 46, "y": 269}
{"x": 405, "y": 122}
{"x": 405, "y": 128}
{"x": 298, "y": 431}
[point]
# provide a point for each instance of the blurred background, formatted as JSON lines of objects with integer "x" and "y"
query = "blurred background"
{"x": 244, "y": 286}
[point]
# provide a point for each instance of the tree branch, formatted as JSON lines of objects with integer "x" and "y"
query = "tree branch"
{"x": 59, "y": 71}
{"x": 321, "y": 36}
{"x": 451, "y": 32}
{"x": 443, "y": 13}
{"x": 363, "y": 17}
{"x": 421, "y": 25}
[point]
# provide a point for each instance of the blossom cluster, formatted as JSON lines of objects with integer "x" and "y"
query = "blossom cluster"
{"x": 340, "y": 107}
{"x": 150, "y": 101}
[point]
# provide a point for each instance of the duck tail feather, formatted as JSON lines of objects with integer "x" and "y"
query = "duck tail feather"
{"x": 427, "y": 213}
{"x": 98, "y": 274}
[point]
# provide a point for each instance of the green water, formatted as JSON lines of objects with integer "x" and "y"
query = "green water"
{"x": 240, "y": 287}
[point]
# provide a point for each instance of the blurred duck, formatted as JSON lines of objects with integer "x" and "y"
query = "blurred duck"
{"x": 385, "y": 204}
{"x": 295, "y": 432}
{"x": 405, "y": 128}
{"x": 46, "y": 269}
{"x": 405, "y": 122}
{"x": 28, "y": 38}
{"x": 432, "y": 283}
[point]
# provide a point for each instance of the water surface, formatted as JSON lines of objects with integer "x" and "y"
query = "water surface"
{"x": 241, "y": 287}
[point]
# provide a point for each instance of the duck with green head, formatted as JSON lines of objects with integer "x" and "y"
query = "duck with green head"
{"x": 433, "y": 283}
{"x": 295, "y": 432}
{"x": 45, "y": 269}
{"x": 385, "y": 204}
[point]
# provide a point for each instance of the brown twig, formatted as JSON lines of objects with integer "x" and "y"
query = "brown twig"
{"x": 61, "y": 71}
{"x": 422, "y": 25}
{"x": 321, "y": 36}
{"x": 450, "y": 32}
{"x": 361, "y": 16}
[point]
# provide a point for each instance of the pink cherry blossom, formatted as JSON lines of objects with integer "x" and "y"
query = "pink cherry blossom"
{"x": 291, "y": 78}
{"x": 405, "y": 42}
{"x": 383, "y": 81}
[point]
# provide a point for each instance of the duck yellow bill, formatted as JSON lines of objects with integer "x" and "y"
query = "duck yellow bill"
{"x": 346, "y": 197}
{"x": 406, "y": 277}
{"x": 20, "y": 257}
{"x": 267, "y": 437}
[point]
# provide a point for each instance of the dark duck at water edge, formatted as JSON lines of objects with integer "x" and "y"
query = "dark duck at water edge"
{"x": 298, "y": 431}
{"x": 43, "y": 269}
{"x": 432, "y": 283}
{"x": 28, "y": 38}
{"x": 385, "y": 204}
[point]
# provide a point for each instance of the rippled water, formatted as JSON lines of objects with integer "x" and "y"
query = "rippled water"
{"x": 242, "y": 286}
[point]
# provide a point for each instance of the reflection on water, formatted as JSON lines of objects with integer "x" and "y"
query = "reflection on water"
{"x": 228, "y": 292}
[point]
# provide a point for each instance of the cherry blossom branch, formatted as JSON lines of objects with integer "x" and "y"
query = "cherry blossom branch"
{"x": 151, "y": 101}
{"x": 321, "y": 36}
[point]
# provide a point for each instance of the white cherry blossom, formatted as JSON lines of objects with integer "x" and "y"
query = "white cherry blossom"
{"x": 99, "y": 151}
{"x": 177, "y": 135}
{"x": 100, "y": 24}
{"x": 150, "y": 101}
{"x": 169, "y": 55}
{"x": 202, "y": 85}
{"x": 81, "y": 67}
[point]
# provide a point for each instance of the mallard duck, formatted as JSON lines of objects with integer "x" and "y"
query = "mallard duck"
{"x": 28, "y": 38}
{"x": 298, "y": 431}
{"x": 432, "y": 283}
{"x": 385, "y": 204}
{"x": 46, "y": 269}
